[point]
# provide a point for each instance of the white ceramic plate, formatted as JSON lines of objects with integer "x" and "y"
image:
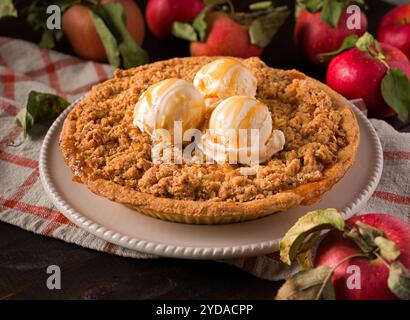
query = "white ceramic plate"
{"x": 125, "y": 227}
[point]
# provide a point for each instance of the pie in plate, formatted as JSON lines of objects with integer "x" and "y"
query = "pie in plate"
{"x": 111, "y": 152}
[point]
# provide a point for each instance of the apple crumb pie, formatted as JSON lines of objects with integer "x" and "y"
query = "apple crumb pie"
{"x": 107, "y": 140}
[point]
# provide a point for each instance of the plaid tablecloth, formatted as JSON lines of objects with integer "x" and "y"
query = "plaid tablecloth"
{"x": 25, "y": 67}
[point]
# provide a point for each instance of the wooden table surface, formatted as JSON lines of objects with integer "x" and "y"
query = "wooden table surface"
{"x": 87, "y": 274}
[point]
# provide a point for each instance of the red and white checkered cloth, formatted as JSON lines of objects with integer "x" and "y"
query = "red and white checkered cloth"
{"x": 25, "y": 67}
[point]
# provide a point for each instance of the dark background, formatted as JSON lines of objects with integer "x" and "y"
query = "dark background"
{"x": 87, "y": 274}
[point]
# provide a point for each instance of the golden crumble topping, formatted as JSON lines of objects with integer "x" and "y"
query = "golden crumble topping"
{"x": 102, "y": 143}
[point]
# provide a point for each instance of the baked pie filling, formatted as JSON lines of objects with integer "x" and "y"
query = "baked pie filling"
{"x": 306, "y": 131}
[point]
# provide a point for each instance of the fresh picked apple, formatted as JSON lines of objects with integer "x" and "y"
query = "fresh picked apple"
{"x": 394, "y": 29}
{"x": 161, "y": 14}
{"x": 79, "y": 26}
{"x": 376, "y": 72}
{"x": 105, "y": 30}
{"x": 225, "y": 38}
{"x": 365, "y": 258}
{"x": 374, "y": 272}
{"x": 219, "y": 30}
{"x": 322, "y": 25}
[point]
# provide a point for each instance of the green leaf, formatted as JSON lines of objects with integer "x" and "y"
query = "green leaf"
{"x": 306, "y": 285}
{"x": 365, "y": 42}
{"x": 399, "y": 280}
{"x": 348, "y": 43}
{"x": 131, "y": 56}
{"x": 262, "y": 5}
{"x": 368, "y": 233}
{"x": 257, "y": 34}
{"x": 305, "y": 258}
{"x": 108, "y": 40}
{"x": 388, "y": 249}
{"x": 200, "y": 24}
{"x": 263, "y": 29}
{"x": 7, "y": 9}
{"x": 184, "y": 31}
{"x": 25, "y": 120}
{"x": 331, "y": 9}
{"x": 292, "y": 243}
{"x": 355, "y": 236}
{"x": 311, "y": 6}
{"x": 365, "y": 238}
{"x": 331, "y": 12}
{"x": 40, "y": 108}
{"x": 131, "y": 53}
{"x": 37, "y": 16}
{"x": 47, "y": 39}
{"x": 395, "y": 89}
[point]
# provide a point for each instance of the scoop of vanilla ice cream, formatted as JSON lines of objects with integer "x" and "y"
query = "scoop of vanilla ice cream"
{"x": 240, "y": 131}
{"x": 224, "y": 78}
{"x": 168, "y": 101}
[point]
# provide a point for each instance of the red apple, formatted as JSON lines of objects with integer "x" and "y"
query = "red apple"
{"x": 313, "y": 36}
{"x": 79, "y": 28}
{"x": 356, "y": 74}
{"x": 374, "y": 273}
{"x": 161, "y": 14}
{"x": 394, "y": 28}
{"x": 225, "y": 37}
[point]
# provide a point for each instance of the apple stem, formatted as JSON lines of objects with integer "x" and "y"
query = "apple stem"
{"x": 329, "y": 276}
{"x": 385, "y": 63}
